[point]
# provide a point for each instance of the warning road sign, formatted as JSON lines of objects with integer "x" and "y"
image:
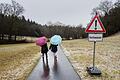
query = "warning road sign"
{"x": 95, "y": 26}
{"x": 95, "y": 30}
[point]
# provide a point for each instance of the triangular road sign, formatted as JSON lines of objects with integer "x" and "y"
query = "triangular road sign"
{"x": 95, "y": 26}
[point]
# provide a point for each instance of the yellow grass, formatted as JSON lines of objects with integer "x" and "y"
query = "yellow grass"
{"x": 80, "y": 53}
{"x": 17, "y": 60}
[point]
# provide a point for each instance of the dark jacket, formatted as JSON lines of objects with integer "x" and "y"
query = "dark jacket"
{"x": 44, "y": 48}
{"x": 53, "y": 48}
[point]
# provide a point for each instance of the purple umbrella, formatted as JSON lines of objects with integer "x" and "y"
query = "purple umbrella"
{"x": 41, "y": 41}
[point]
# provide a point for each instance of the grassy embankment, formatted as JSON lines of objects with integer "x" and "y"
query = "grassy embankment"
{"x": 80, "y": 53}
{"x": 17, "y": 60}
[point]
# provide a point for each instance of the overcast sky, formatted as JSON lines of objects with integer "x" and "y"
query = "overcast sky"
{"x": 69, "y": 12}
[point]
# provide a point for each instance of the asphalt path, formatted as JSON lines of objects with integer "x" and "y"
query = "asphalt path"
{"x": 54, "y": 68}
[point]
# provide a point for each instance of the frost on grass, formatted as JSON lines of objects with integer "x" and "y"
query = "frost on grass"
{"x": 80, "y": 53}
{"x": 16, "y": 62}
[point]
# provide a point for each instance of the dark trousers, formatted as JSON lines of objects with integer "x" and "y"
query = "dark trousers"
{"x": 44, "y": 54}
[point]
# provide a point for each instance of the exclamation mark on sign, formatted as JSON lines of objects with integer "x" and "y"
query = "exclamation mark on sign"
{"x": 95, "y": 24}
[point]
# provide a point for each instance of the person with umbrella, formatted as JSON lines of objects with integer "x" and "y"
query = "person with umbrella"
{"x": 42, "y": 41}
{"x": 54, "y": 42}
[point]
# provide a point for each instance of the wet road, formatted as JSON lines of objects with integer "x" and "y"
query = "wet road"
{"x": 54, "y": 68}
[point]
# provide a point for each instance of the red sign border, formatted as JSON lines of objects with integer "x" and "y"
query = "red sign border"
{"x": 95, "y": 31}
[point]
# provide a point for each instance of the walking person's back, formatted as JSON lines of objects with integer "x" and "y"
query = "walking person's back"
{"x": 44, "y": 50}
{"x": 53, "y": 48}
{"x": 55, "y": 41}
{"x": 42, "y": 42}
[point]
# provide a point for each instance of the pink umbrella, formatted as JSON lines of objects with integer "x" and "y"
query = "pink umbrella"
{"x": 41, "y": 41}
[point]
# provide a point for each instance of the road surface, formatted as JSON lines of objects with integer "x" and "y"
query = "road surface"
{"x": 54, "y": 68}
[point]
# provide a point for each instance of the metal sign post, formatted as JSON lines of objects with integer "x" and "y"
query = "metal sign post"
{"x": 94, "y": 56}
{"x": 94, "y": 70}
{"x": 94, "y": 47}
{"x": 95, "y": 30}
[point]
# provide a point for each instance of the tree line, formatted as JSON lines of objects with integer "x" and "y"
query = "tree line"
{"x": 12, "y": 24}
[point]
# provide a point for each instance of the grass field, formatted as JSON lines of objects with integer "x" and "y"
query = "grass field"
{"x": 17, "y": 60}
{"x": 80, "y": 53}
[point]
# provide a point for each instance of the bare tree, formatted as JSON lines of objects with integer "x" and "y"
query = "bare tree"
{"x": 103, "y": 7}
{"x": 5, "y": 9}
{"x": 14, "y": 9}
{"x": 17, "y": 8}
{"x": 117, "y": 4}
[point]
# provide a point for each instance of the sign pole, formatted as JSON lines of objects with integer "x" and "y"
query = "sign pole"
{"x": 94, "y": 56}
{"x": 94, "y": 46}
